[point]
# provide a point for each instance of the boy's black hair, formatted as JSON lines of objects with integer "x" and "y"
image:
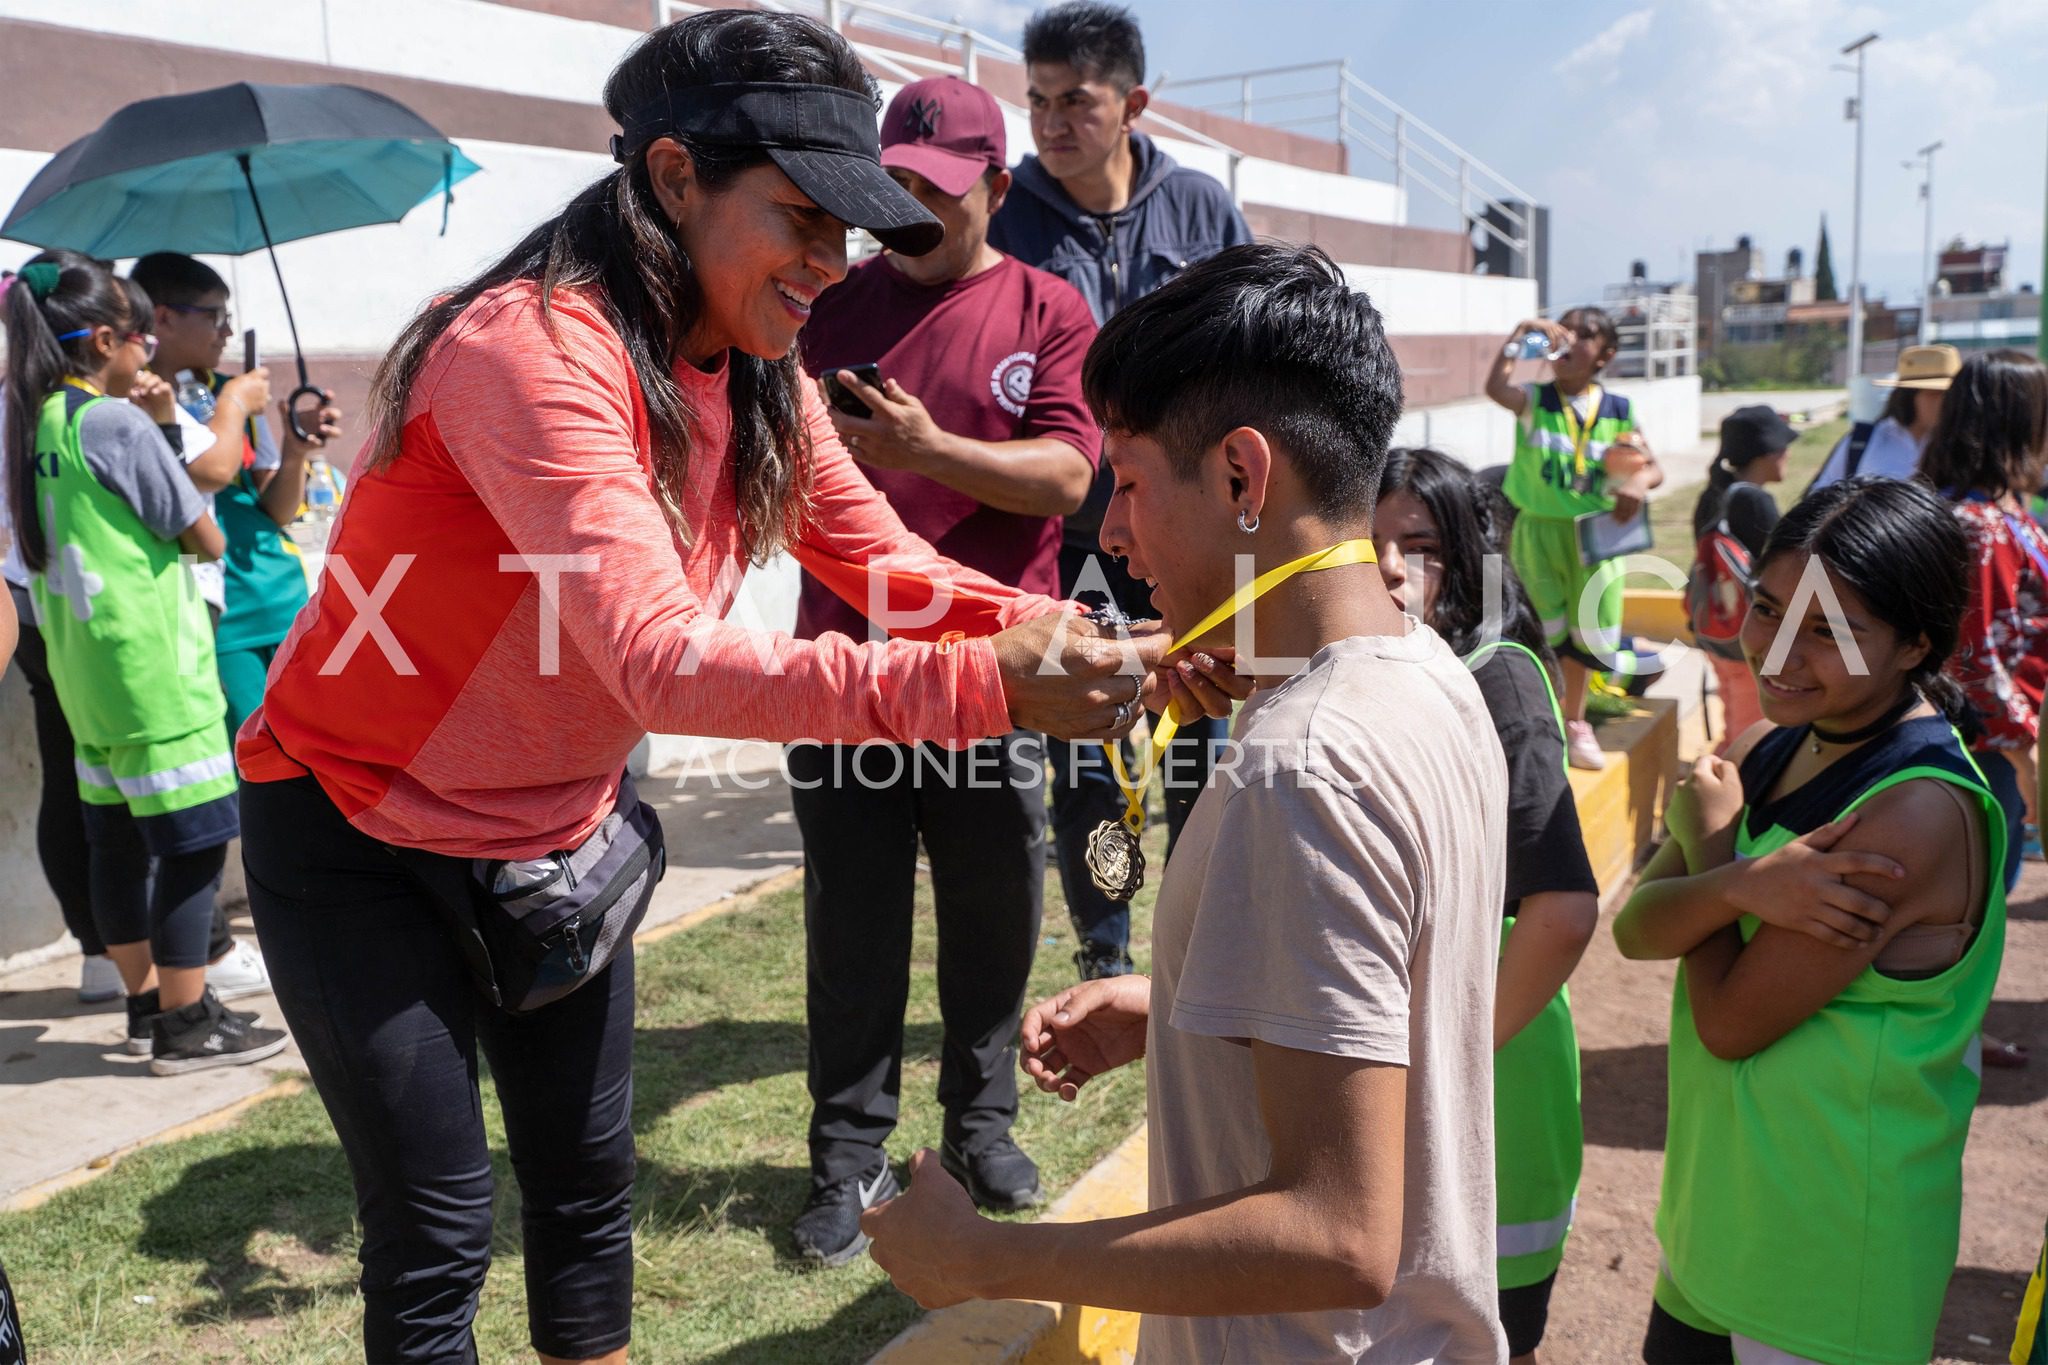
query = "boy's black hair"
{"x": 170, "y": 278}
{"x": 1589, "y": 318}
{"x": 1101, "y": 41}
{"x": 1264, "y": 336}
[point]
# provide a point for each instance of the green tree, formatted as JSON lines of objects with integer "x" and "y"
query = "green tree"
{"x": 1824, "y": 267}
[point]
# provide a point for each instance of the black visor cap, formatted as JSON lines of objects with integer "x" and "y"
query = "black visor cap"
{"x": 824, "y": 138}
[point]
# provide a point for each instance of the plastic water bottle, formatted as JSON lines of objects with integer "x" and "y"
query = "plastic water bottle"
{"x": 313, "y": 528}
{"x": 1536, "y": 346}
{"x": 320, "y": 496}
{"x": 195, "y": 397}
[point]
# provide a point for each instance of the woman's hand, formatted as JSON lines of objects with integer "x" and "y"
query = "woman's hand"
{"x": 1084, "y": 1031}
{"x": 1703, "y": 809}
{"x": 1074, "y": 678}
{"x": 153, "y": 395}
{"x": 1802, "y": 887}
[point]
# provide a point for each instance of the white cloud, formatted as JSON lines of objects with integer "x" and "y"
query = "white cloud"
{"x": 1599, "y": 53}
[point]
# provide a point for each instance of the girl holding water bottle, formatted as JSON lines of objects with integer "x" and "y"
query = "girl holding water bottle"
{"x": 265, "y": 488}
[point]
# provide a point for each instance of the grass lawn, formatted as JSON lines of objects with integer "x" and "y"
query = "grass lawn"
{"x": 240, "y": 1245}
{"x": 1671, "y": 511}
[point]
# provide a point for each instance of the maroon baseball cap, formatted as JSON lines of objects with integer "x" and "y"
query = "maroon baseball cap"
{"x": 946, "y": 130}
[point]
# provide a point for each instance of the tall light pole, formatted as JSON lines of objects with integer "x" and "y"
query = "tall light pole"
{"x": 1924, "y": 161}
{"x": 1856, "y": 217}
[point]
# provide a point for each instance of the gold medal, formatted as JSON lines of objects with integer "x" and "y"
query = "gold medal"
{"x": 1116, "y": 862}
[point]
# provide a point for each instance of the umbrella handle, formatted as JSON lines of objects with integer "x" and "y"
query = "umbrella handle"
{"x": 292, "y": 411}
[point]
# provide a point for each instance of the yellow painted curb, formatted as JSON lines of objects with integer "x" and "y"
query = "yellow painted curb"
{"x": 1619, "y": 805}
{"x": 737, "y": 900}
{"x": 1618, "y": 810}
{"x": 1655, "y": 613}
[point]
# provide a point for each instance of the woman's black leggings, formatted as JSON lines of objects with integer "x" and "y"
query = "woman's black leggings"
{"x": 382, "y": 1005}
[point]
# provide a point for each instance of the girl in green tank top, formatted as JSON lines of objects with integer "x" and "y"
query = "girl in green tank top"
{"x": 1436, "y": 528}
{"x": 1831, "y": 889}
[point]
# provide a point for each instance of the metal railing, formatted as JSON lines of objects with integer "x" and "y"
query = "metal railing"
{"x": 1658, "y": 333}
{"x": 970, "y": 44}
{"x": 1327, "y": 98}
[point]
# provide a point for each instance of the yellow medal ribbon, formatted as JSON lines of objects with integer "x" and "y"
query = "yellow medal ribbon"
{"x": 77, "y": 383}
{"x": 1163, "y": 728}
{"x": 1582, "y": 437}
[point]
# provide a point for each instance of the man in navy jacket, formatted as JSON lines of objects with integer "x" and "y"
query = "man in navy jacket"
{"x": 1102, "y": 207}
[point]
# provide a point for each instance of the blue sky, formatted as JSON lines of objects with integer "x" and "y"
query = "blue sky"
{"x": 1656, "y": 127}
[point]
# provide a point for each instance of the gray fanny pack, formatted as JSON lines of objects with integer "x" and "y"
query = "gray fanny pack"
{"x": 541, "y": 927}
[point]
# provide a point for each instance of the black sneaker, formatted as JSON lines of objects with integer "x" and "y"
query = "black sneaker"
{"x": 144, "y": 1007}
{"x": 1096, "y": 962}
{"x": 998, "y": 1176}
{"x": 207, "y": 1034}
{"x": 828, "y": 1230}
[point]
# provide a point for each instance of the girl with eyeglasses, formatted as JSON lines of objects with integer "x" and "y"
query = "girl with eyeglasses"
{"x": 104, "y": 513}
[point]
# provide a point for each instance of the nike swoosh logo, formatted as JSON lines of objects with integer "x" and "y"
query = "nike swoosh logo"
{"x": 868, "y": 1192}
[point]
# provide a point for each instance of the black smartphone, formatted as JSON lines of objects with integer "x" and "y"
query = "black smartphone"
{"x": 249, "y": 359}
{"x": 844, "y": 398}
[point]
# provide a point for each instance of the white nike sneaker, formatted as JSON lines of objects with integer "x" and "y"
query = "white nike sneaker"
{"x": 98, "y": 979}
{"x": 241, "y": 973}
{"x": 1582, "y": 748}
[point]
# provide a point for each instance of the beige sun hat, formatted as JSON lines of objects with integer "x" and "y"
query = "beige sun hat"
{"x": 1925, "y": 367}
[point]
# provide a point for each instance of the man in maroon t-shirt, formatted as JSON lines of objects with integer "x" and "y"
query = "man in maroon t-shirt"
{"x": 979, "y": 437}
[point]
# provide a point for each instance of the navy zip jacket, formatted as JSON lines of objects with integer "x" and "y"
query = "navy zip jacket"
{"x": 1176, "y": 217}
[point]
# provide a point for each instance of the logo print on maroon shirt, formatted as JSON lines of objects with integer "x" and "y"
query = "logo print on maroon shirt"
{"x": 1011, "y": 380}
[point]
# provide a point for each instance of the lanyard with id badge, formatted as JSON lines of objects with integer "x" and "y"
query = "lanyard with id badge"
{"x": 1601, "y": 535}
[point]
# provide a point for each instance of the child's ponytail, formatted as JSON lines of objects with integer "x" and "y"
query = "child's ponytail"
{"x": 57, "y": 293}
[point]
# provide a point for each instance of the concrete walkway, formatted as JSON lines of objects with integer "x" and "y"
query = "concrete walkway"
{"x": 74, "y": 1100}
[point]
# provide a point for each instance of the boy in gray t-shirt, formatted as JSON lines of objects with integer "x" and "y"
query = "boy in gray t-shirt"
{"x": 1320, "y": 1027}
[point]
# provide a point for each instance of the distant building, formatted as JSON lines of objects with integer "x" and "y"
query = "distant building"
{"x": 1741, "y": 308}
{"x": 1974, "y": 309}
{"x": 1714, "y": 272}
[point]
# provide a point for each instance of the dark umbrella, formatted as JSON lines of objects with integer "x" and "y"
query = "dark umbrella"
{"x": 229, "y": 170}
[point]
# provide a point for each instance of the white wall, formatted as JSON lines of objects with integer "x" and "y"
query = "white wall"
{"x": 495, "y": 47}
{"x": 1440, "y": 303}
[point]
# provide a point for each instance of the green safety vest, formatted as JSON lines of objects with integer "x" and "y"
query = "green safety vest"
{"x": 1813, "y": 1192}
{"x": 1556, "y": 469}
{"x": 130, "y": 645}
{"x": 1538, "y": 1138}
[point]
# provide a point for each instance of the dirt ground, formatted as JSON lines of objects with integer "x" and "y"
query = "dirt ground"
{"x": 1623, "y": 1008}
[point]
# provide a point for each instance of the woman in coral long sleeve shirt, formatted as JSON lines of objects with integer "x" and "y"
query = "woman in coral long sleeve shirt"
{"x": 578, "y": 454}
